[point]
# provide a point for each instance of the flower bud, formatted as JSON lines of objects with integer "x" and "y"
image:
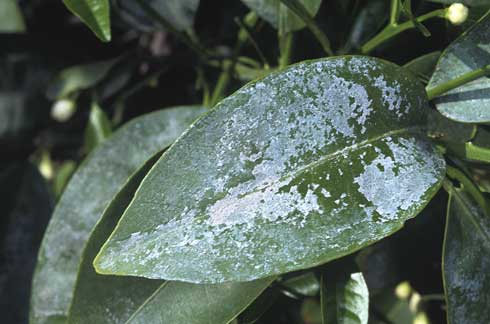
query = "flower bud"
{"x": 62, "y": 110}
{"x": 457, "y": 13}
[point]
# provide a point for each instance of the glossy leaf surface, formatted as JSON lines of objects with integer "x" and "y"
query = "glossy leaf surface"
{"x": 115, "y": 299}
{"x": 109, "y": 299}
{"x": 95, "y": 14}
{"x": 178, "y": 302}
{"x": 469, "y": 103}
{"x": 345, "y": 299}
{"x": 466, "y": 261}
{"x": 95, "y": 183}
{"x": 294, "y": 170}
{"x": 279, "y": 16}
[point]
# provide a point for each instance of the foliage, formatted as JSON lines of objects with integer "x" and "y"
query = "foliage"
{"x": 346, "y": 182}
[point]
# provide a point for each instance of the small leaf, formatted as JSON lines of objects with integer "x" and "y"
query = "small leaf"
{"x": 11, "y": 19}
{"x": 469, "y": 103}
{"x": 78, "y": 77}
{"x": 423, "y": 66}
{"x": 95, "y": 14}
{"x": 279, "y": 16}
{"x": 98, "y": 128}
{"x": 63, "y": 175}
{"x": 465, "y": 260}
{"x": 370, "y": 19}
{"x": 88, "y": 193}
{"x": 178, "y": 13}
{"x": 305, "y": 284}
{"x": 302, "y": 167}
{"x": 345, "y": 299}
{"x": 443, "y": 129}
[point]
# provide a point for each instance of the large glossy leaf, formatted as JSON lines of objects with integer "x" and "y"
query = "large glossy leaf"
{"x": 299, "y": 168}
{"x": 345, "y": 299}
{"x": 78, "y": 77}
{"x": 11, "y": 19}
{"x": 88, "y": 193}
{"x": 178, "y": 13}
{"x": 109, "y": 299}
{"x": 115, "y": 299}
{"x": 469, "y": 103}
{"x": 466, "y": 260}
{"x": 279, "y": 16}
{"x": 26, "y": 207}
{"x": 178, "y": 302}
{"x": 94, "y": 13}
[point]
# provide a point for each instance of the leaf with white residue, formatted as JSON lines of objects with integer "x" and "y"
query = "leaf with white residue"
{"x": 301, "y": 167}
{"x": 469, "y": 103}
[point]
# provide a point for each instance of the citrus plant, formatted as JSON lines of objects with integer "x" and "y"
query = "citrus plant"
{"x": 285, "y": 188}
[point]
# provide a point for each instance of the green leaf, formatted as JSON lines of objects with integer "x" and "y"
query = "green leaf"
{"x": 95, "y": 14}
{"x": 469, "y": 103}
{"x": 279, "y": 16}
{"x": 465, "y": 260}
{"x": 344, "y": 299}
{"x": 63, "y": 175}
{"x": 196, "y": 304}
{"x": 423, "y": 66}
{"x": 305, "y": 284}
{"x": 78, "y": 77}
{"x": 115, "y": 299}
{"x": 88, "y": 193}
{"x": 296, "y": 169}
{"x": 98, "y": 128}
{"x": 11, "y": 19}
{"x": 178, "y": 13}
{"x": 443, "y": 129}
{"x": 369, "y": 20}
{"x": 110, "y": 299}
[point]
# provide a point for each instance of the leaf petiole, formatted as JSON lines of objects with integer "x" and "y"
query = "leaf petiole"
{"x": 394, "y": 29}
{"x": 459, "y": 81}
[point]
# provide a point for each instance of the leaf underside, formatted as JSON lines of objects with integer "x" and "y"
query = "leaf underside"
{"x": 299, "y": 168}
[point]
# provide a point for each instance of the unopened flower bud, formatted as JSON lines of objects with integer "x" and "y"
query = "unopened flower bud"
{"x": 62, "y": 110}
{"x": 457, "y": 13}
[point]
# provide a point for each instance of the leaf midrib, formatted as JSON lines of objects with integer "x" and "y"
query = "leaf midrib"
{"x": 323, "y": 159}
